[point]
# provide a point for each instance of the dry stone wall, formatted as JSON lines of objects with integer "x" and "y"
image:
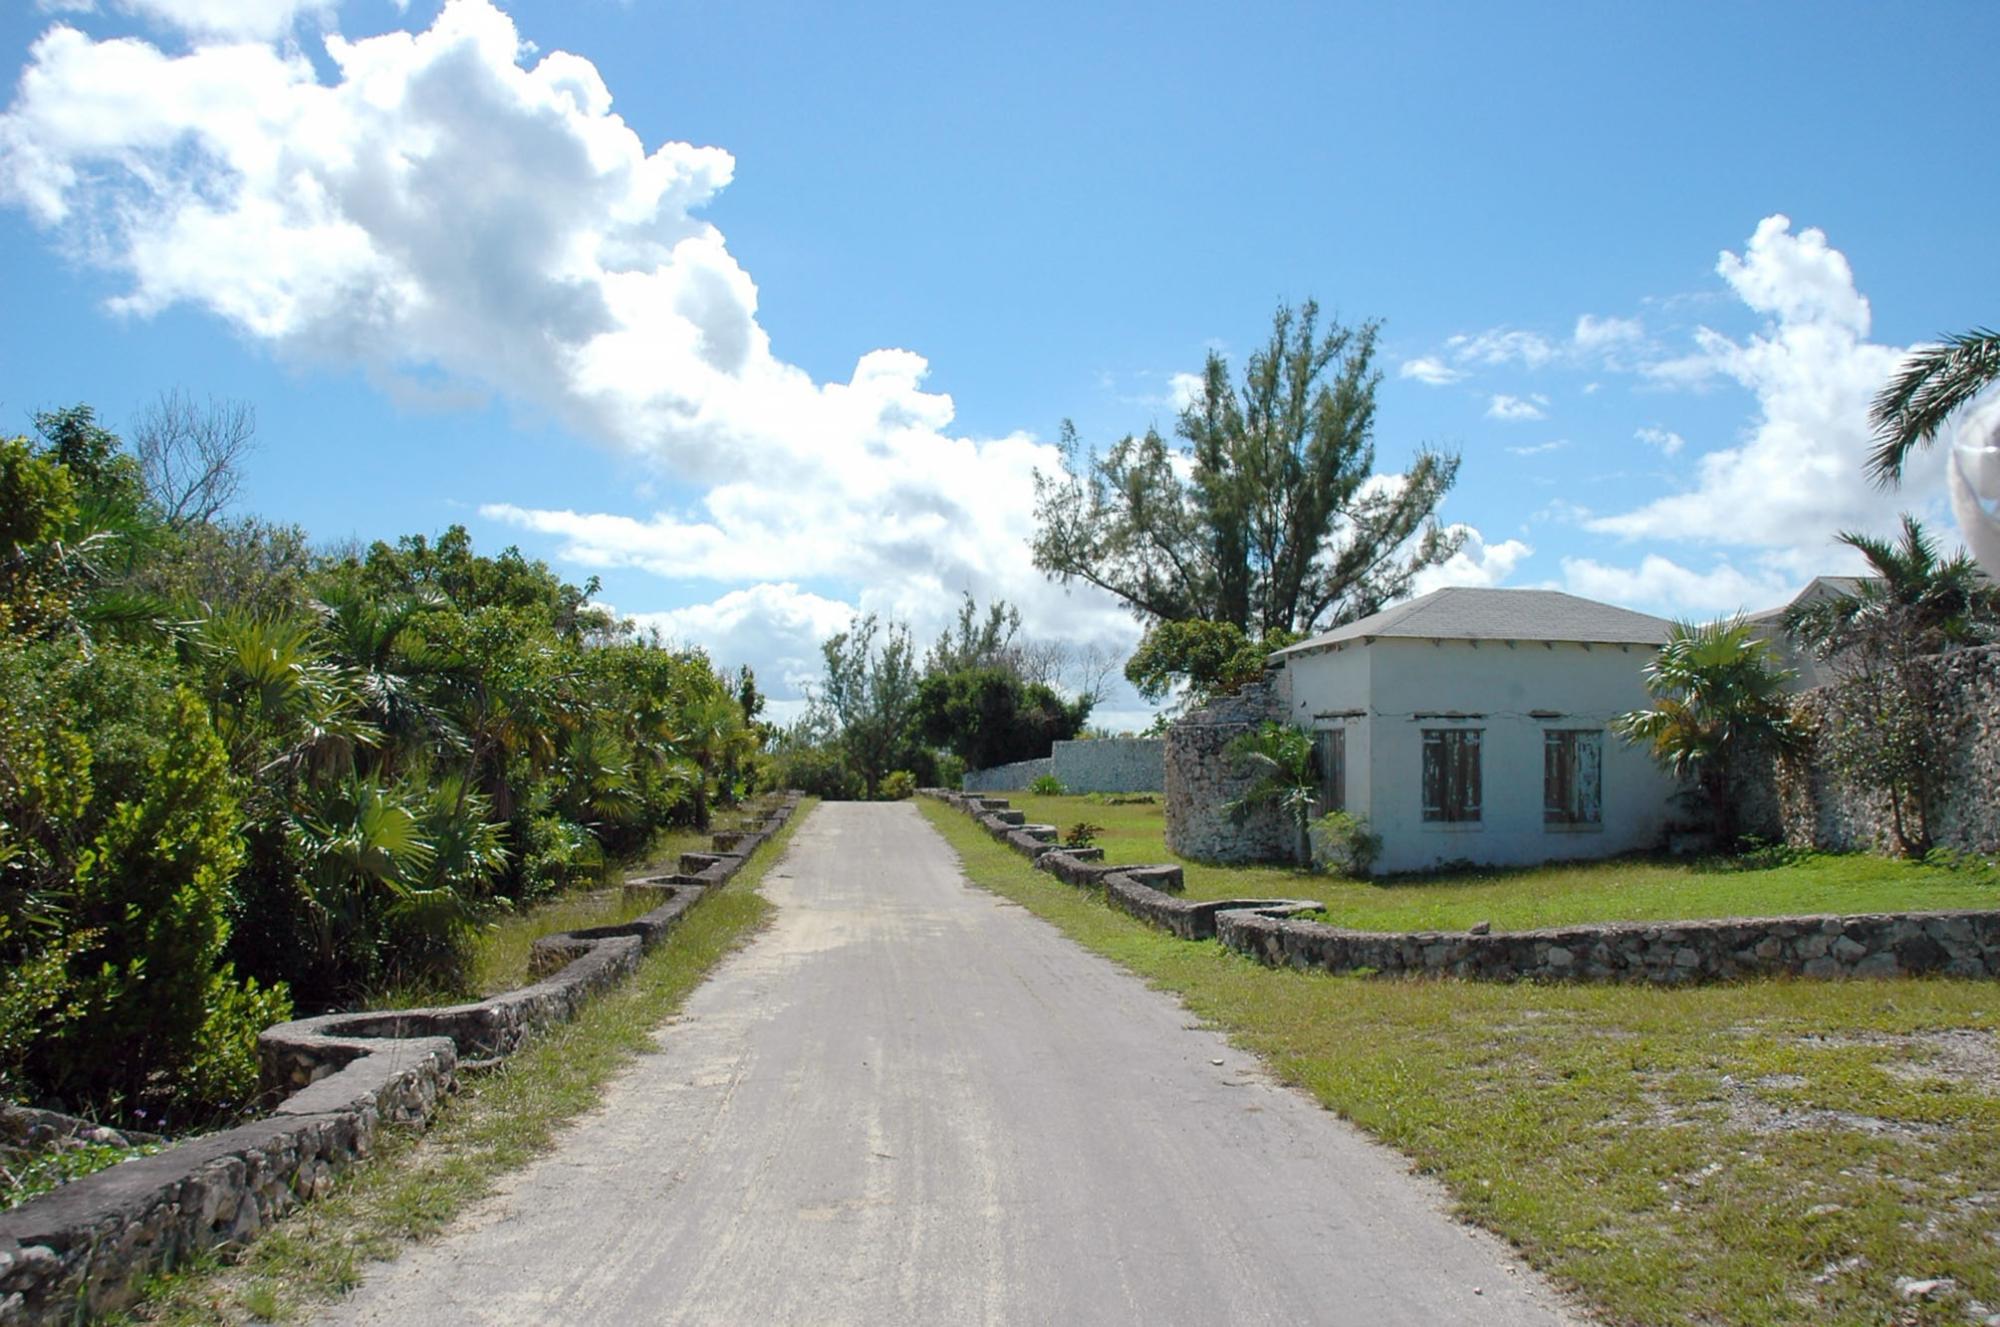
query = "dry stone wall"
{"x": 75, "y": 1253}
{"x": 1201, "y": 777}
{"x": 1953, "y": 944}
{"x": 1821, "y": 810}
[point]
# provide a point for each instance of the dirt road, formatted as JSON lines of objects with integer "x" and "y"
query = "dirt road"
{"x": 911, "y": 1102}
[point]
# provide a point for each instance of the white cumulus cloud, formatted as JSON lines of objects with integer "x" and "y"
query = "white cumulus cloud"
{"x": 1429, "y": 370}
{"x": 1799, "y": 474}
{"x": 1516, "y": 409}
{"x": 450, "y": 208}
{"x": 1477, "y": 563}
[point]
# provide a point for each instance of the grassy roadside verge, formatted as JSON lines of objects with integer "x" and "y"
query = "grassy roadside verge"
{"x": 499, "y": 1120}
{"x": 1772, "y": 1152}
{"x": 1523, "y": 898}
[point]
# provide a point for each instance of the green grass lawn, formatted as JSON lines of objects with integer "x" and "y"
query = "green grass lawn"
{"x": 1775, "y": 1152}
{"x": 1625, "y": 889}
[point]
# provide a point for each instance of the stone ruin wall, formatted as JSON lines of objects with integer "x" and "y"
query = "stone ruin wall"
{"x": 1202, "y": 777}
{"x": 1816, "y": 808}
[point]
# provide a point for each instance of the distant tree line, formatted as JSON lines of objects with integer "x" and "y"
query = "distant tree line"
{"x": 881, "y": 722}
{"x": 240, "y": 777}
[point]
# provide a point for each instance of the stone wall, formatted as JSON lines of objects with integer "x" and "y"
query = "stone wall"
{"x": 1146, "y": 892}
{"x": 75, "y": 1253}
{"x": 1201, "y": 777}
{"x": 1273, "y": 931}
{"x": 1008, "y": 778}
{"x": 1955, "y": 944}
{"x": 1821, "y": 810}
{"x": 1098, "y": 765}
{"x": 1111, "y": 765}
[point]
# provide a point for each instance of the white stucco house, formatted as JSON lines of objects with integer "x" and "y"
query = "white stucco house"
{"x": 1474, "y": 725}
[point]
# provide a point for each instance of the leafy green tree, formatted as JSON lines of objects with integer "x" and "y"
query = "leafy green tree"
{"x": 1264, "y": 519}
{"x": 870, "y": 694}
{"x": 1879, "y": 642}
{"x": 1930, "y": 387}
{"x": 987, "y": 717}
{"x": 38, "y": 575}
{"x": 1202, "y": 659}
{"x": 1718, "y": 699}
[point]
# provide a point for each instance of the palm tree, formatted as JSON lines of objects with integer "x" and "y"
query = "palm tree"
{"x": 1282, "y": 757}
{"x": 1717, "y": 697}
{"x": 1932, "y": 384}
{"x": 1915, "y": 602}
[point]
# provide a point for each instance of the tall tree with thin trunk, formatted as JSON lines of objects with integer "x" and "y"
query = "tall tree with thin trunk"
{"x": 1268, "y": 516}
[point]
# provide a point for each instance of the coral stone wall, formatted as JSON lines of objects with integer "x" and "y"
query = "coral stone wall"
{"x": 1821, "y": 810}
{"x": 1201, "y": 777}
{"x": 1956, "y": 944}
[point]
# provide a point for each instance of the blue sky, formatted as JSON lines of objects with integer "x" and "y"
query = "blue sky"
{"x": 612, "y": 281}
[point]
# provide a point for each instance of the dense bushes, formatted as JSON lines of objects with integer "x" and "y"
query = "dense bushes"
{"x": 235, "y": 775}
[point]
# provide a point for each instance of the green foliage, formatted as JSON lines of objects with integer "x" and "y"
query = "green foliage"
{"x": 1881, "y": 729}
{"x": 870, "y": 694}
{"x": 1932, "y": 385}
{"x": 44, "y": 1172}
{"x": 232, "y": 771}
{"x": 1718, "y": 699}
{"x": 899, "y": 786}
{"x": 1343, "y": 842}
{"x": 1209, "y": 659}
{"x": 1264, "y": 518}
{"x": 1082, "y": 834}
{"x": 987, "y": 716}
{"x": 1046, "y": 785}
{"x": 813, "y": 765}
{"x": 951, "y": 771}
{"x": 1286, "y": 778}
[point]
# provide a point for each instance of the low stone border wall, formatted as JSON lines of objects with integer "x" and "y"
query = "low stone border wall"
{"x": 75, "y": 1253}
{"x": 1146, "y": 892}
{"x": 1953, "y": 944}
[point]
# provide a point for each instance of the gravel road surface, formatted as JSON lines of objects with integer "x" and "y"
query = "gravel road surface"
{"x": 909, "y": 1101}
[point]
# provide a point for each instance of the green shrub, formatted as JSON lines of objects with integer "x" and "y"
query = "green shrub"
{"x": 1343, "y": 842}
{"x": 1046, "y": 785}
{"x": 950, "y": 771}
{"x": 898, "y": 785}
{"x": 1082, "y": 834}
{"x": 154, "y": 887}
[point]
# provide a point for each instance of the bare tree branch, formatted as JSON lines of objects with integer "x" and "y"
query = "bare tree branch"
{"x": 191, "y": 456}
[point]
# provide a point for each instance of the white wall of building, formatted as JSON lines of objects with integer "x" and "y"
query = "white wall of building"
{"x": 1393, "y": 681}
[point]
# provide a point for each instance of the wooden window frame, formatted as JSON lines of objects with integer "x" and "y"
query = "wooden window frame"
{"x": 1572, "y": 792}
{"x": 1451, "y": 776}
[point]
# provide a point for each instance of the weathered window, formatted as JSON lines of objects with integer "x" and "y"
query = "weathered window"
{"x": 1572, "y": 776}
{"x": 1451, "y": 774}
{"x": 1330, "y": 753}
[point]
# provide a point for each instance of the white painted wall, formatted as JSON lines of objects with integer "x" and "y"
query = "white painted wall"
{"x": 1394, "y": 679}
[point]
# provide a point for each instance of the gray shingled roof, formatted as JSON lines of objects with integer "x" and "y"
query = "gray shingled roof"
{"x": 1471, "y": 614}
{"x": 1820, "y": 587}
